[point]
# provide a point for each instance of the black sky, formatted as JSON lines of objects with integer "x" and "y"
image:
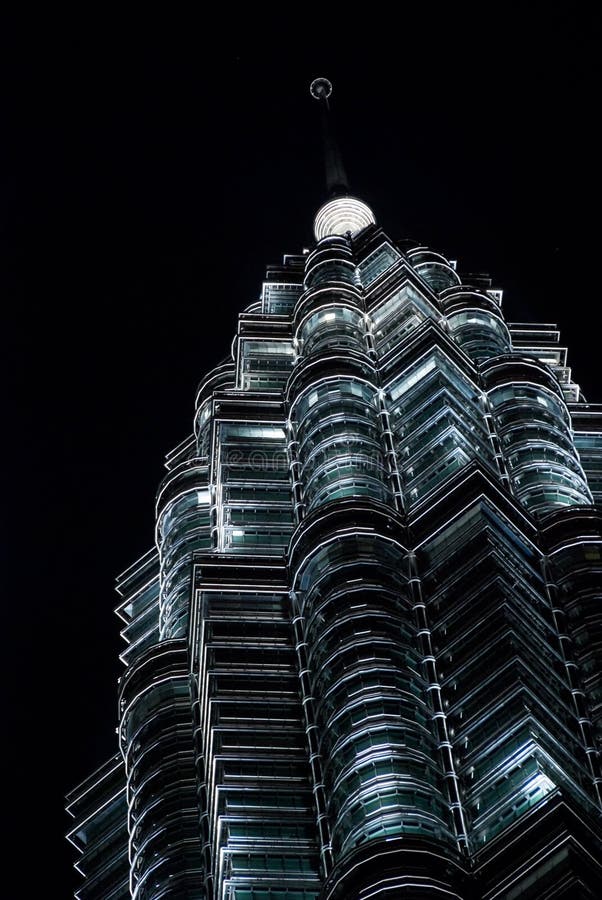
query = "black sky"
{"x": 149, "y": 173}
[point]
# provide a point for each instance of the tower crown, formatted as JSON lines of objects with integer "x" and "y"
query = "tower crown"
{"x": 343, "y": 214}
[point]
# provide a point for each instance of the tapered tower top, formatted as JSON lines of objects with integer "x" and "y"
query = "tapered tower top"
{"x": 342, "y": 214}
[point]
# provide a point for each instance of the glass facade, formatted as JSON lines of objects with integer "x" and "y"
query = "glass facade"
{"x": 364, "y": 658}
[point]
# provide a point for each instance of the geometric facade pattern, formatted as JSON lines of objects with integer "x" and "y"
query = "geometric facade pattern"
{"x": 364, "y": 658}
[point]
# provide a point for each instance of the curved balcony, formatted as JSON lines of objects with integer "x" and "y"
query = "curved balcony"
{"x": 573, "y": 540}
{"x": 179, "y": 870}
{"x": 343, "y": 477}
{"x": 400, "y": 736}
{"x": 361, "y": 427}
{"x": 384, "y": 703}
{"x": 188, "y": 532}
{"x": 369, "y": 521}
{"x": 332, "y": 439}
{"x": 202, "y": 426}
{"x": 168, "y": 659}
{"x": 335, "y": 327}
{"x": 515, "y": 431}
{"x": 153, "y": 846}
{"x": 331, "y": 261}
{"x": 461, "y": 297}
{"x": 184, "y": 515}
{"x": 160, "y": 797}
{"x": 155, "y": 711}
{"x": 183, "y": 527}
{"x": 382, "y": 808}
{"x": 157, "y": 743}
{"x": 190, "y": 475}
{"x": 336, "y": 460}
{"x": 350, "y": 365}
{"x": 519, "y": 413}
{"x": 433, "y": 268}
{"x": 381, "y": 736}
{"x": 418, "y": 866}
{"x": 346, "y": 669}
{"x": 363, "y": 671}
{"x": 371, "y": 769}
{"x": 175, "y": 598}
{"x": 351, "y": 540}
{"x": 334, "y": 292}
{"x": 331, "y": 271}
{"x": 162, "y": 728}
{"x": 477, "y": 327}
{"x": 333, "y": 245}
{"x": 527, "y": 453}
{"x": 333, "y": 618}
{"x": 574, "y": 527}
{"x": 336, "y": 397}
{"x": 533, "y": 423}
{"x": 221, "y": 378}
{"x": 163, "y": 750}
{"x": 184, "y": 545}
{"x": 510, "y": 369}
{"x": 544, "y": 487}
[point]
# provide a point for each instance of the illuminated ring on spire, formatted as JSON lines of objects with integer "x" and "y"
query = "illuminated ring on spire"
{"x": 320, "y": 88}
{"x": 342, "y": 215}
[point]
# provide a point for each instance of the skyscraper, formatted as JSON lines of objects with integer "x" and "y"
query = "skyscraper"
{"x": 363, "y": 659}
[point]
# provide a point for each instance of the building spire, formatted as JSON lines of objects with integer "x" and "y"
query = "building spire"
{"x": 336, "y": 177}
{"x": 342, "y": 214}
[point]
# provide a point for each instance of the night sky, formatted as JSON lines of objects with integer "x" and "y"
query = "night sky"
{"x": 149, "y": 173}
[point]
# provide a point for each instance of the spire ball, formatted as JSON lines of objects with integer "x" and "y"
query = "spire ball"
{"x": 320, "y": 88}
